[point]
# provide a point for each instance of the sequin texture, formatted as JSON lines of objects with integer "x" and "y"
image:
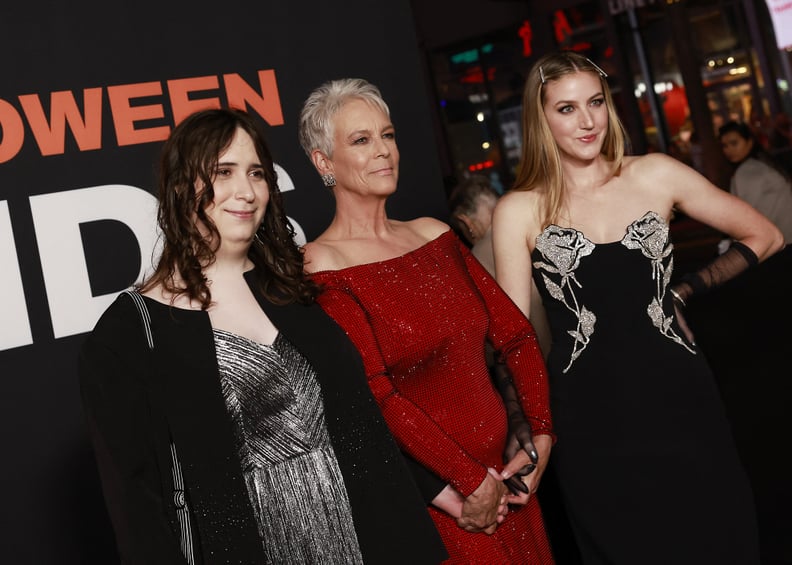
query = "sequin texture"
{"x": 421, "y": 322}
{"x": 562, "y": 250}
{"x": 290, "y": 470}
{"x": 650, "y": 235}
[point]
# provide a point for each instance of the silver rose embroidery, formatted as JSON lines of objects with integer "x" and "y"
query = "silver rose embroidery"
{"x": 562, "y": 249}
{"x": 650, "y": 235}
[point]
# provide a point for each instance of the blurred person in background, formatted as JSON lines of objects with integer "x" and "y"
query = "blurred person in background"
{"x": 471, "y": 204}
{"x": 757, "y": 179}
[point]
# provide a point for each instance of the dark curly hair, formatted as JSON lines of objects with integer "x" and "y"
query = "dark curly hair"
{"x": 189, "y": 160}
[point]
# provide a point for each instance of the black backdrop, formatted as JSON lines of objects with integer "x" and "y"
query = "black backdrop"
{"x": 75, "y": 207}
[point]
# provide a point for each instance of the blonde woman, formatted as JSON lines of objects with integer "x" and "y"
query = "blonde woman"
{"x": 645, "y": 459}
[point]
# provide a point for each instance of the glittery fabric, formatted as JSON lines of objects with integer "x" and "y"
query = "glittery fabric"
{"x": 292, "y": 476}
{"x": 645, "y": 460}
{"x": 421, "y": 322}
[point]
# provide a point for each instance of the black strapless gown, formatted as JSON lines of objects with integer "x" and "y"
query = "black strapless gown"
{"x": 645, "y": 458}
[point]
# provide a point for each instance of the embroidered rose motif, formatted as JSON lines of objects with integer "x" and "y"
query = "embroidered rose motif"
{"x": 562, "y": 249}
{"x": 650, "y": 235}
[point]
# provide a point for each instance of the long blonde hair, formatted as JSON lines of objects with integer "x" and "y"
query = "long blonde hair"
{"x": 540, "y": 162}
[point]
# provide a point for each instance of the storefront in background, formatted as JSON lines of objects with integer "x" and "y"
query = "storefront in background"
{"x": 677, "y": 70}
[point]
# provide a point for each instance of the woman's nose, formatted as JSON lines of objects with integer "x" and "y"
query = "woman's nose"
{"x": 244, "y": 190}
{"x": 382, "y": 148}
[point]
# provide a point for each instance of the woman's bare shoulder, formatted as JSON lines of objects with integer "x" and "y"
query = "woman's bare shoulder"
{"x": 520, "y": 207}
{"x": 427, "y": 227}
{"x": 321, "y": 255}
{"x": 517, "y": 218}
{"x": 663, "y": 175}
{"x": 521, "y": 198}
{"x": 649, "y": 164}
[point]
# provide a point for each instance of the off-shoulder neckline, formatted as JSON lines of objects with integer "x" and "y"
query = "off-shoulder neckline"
{"x": 418, "y": 250}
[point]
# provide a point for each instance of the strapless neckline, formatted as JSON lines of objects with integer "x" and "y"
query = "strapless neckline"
{"x": 648, "y": 216}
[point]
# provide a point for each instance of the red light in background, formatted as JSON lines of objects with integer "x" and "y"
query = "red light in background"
{"x": 526, "y": 33}
{"x": 488, "y": 164}
{"x": 561, "y": 26}
{"x": 475, "y": 75}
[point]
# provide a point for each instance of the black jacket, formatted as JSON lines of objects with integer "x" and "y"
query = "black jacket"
{"x": 137, "y": 402}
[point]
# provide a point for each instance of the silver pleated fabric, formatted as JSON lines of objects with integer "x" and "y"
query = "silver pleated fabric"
{"x": 292, "y": 475}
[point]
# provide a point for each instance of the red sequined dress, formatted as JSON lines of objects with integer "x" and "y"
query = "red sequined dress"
{"x": 421, "y": 322}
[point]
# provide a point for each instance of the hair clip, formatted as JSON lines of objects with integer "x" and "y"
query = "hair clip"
{"x": 602, "y": 73}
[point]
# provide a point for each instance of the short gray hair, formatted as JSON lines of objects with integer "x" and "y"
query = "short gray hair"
{"x": 316, "y": 116}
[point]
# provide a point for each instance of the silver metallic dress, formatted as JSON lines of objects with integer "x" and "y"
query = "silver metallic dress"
{"x": 291, "y": 472}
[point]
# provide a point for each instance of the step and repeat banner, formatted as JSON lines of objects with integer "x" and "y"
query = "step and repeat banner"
{"x": 89, "y": 91}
